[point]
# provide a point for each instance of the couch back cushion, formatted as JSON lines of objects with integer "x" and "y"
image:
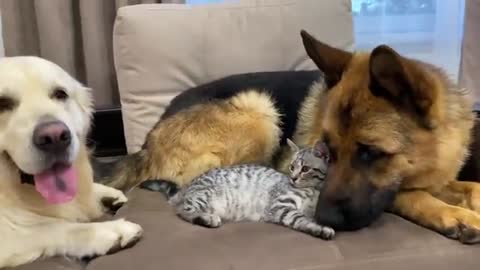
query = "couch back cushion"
{"x": 163, "y": 49}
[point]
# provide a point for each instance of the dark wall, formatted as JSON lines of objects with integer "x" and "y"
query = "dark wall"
{"x": 106, "y": 136}
{"x": 471, "y": 169}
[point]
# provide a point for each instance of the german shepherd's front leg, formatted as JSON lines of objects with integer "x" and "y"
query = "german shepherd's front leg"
{"x": 452, "y": 221}
{"x": 464, "y": 194}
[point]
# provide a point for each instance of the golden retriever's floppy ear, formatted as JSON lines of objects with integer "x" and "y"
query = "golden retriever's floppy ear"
{"x": 404, "y": 84}
{"x": 331, "y": 61}
{"x": 85, "y": 99}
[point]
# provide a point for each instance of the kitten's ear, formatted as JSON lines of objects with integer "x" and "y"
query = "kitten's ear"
{"x": 292, "y": 145}
{"x": 320, "y": 149}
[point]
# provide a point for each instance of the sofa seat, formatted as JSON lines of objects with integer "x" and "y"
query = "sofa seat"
{"x": 171, "y": 243}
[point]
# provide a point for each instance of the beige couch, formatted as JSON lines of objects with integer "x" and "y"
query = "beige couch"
{"x": 162, "y": 50}
{"x": 172, "y": 244}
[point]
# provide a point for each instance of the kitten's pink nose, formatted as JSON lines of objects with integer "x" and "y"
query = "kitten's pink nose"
{"x": 323, "y": 149}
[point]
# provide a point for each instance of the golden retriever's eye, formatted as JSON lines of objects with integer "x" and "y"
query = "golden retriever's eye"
{"x": 6, "y": 104}
{"x": 59, "y": 93}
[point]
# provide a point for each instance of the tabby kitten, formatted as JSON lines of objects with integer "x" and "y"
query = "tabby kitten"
{"x": 254, "y": 193}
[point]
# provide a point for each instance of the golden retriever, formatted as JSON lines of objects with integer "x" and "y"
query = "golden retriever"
{"x": 47, "y": 193}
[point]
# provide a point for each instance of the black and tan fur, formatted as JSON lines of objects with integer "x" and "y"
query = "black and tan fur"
{"x": 397, "y": 128}
{"x": 239, "y": 119}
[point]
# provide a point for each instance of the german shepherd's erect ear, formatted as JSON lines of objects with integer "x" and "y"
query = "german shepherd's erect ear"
{"x": 331, "y": 61}
{"x": 405, "y": 85}
{"x": 399, "y": 80}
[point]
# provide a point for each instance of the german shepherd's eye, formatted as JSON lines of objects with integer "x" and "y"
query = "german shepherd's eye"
{"x": 59, "y": 93}
{"x": 368, "y": 154}
{"x": 7, "y": 104}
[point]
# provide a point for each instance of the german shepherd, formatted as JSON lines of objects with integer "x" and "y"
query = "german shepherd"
{"x": 397, "y": 128}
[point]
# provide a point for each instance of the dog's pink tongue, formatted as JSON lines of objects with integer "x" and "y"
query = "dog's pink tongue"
{"x": 58, "y": 184}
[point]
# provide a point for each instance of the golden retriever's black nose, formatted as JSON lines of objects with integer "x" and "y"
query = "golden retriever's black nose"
{"x": 52, "y": 137}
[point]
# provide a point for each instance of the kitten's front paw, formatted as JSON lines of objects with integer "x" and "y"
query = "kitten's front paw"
{"x": 209, "y": 221}
{"x": 323, "y": 232}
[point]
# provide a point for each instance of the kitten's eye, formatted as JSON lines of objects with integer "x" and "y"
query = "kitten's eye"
{"x": 292, "y": 168}
{"x": 305, "y": 169}
{"x": 59, "y": 93}
{"x": 6, "y": 104}
{"x": 368, "y": 154}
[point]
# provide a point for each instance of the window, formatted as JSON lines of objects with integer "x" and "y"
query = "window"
{"x": 196, "y": 2}
{"x": 429, "y": 30}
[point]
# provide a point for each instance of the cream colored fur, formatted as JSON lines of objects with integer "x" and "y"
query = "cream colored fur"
{"x": 29, "y": 227}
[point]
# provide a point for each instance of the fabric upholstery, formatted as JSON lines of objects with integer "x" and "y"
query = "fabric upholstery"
{"x": 52, "y": 264}
{"x": 161, "y": 50}
{"x": 170, "y": 243}
{"x": 470, "y": 63}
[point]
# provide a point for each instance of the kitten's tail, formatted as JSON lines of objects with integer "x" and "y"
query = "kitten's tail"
{"x": 168, "y": 188}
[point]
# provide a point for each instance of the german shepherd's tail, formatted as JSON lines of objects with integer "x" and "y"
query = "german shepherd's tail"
{"x": 124, "y": 173}
{"x": 168, "y": 188}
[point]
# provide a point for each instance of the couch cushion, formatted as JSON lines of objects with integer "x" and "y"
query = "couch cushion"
{"x": 170, "y": 243}
{"x": 161, "y": 50}
{"x": 51, "y": 264}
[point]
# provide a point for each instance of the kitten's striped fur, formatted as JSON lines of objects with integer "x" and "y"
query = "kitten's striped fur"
{"x": 254, "y": 193}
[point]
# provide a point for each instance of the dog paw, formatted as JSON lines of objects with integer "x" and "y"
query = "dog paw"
{"x": 113, "y": 200}
{"x": 111, "y": 205}
{"x": 462, "y": 225}
{"x": 464, "y": 234}
{"x": 128, "y": 234}
{"x": 113, "y": 236}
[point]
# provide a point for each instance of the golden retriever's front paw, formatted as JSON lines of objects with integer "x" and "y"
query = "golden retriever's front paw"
{"x": 112, "y": 236}
{"x": 110, "y": 198}
{"x": 128, "y": 235}
{"x": 112, "y": 204}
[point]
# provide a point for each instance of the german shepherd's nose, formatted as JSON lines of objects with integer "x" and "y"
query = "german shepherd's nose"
{"x": 52, "y": 137}
{"x": 362, "y": 206}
